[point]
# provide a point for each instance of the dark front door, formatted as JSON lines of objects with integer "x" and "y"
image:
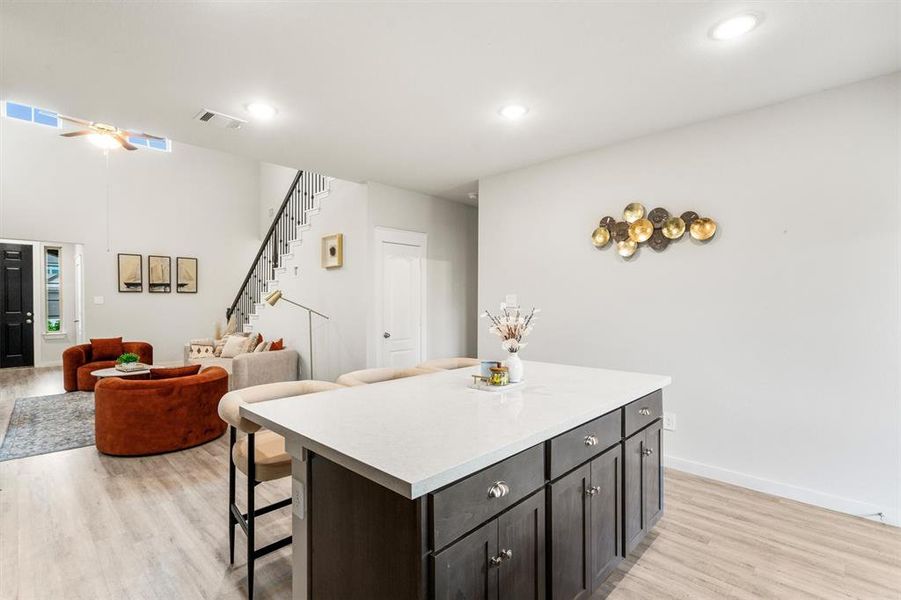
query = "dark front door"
{"x": 16, "y": 306}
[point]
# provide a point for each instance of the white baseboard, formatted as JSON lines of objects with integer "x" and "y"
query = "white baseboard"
{"x": 55, "y": 363}
{"x": 785, "y": 490}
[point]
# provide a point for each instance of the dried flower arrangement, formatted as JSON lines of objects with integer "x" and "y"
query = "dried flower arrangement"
{"x": 511, "y": 325}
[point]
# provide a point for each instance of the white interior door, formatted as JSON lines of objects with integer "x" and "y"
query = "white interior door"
{"x": 400, "y": 298}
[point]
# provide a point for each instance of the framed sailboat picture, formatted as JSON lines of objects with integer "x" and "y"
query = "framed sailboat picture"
{"x": 159, "y": 275}
{"x": 131, "y": 273}
{"x": 185, "y": 275}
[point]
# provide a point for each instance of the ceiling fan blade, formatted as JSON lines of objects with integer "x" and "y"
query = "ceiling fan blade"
{"x": 77, "y": 133}
{"x": 146, "y": 136}
{"x": 75, "y": 120}
{"x": 123, "y": 142}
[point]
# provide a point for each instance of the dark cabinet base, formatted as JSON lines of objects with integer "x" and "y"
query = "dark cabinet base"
{"x": 559, "y": 540}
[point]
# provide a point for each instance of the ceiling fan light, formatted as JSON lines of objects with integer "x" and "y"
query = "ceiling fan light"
{"x": 103, "y": 141}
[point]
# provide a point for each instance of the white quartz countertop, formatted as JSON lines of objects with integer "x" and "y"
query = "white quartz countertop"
{"x": 421, "y": 433}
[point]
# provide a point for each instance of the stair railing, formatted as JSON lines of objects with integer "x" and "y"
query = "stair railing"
{"x": 293, "y": 213}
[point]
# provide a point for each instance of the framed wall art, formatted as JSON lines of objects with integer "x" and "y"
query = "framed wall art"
{"x": 332, "y": 251}
{"x": 185, "y": 275}
{"x": 159, "y": 274}
{"x": 131, "y": 273}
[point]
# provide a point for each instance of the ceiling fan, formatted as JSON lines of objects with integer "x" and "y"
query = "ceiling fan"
{"x": 106, "y": 136}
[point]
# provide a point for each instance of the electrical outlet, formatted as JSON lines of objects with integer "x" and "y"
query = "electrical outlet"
{"x": 297, "y": 498}
{"x": 669, "y": 421}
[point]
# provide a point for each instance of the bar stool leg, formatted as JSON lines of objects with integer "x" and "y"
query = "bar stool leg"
{"x": 251, "y": 484}
{"x": 232, "y": 521}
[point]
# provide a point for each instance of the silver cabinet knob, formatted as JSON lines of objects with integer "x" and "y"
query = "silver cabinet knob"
{"x": 499, "y": 490}
{"x": 648, "y": 451}
{"x": 496, "y": 561}
{"x": 28, "y": 314}
{"x": 27, "y": 320}
{"x": 644, "y": 411}
{"x": 386, "y": 335}
{"x": 591, "y": 440}
{"x": 593, "y": 491}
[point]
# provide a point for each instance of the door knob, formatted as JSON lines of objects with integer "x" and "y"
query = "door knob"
{"x": 386, "y": 335}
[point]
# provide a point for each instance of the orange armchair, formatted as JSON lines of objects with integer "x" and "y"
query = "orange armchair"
{"x": 137, "y": 417}
{"x": 78, "y": 364}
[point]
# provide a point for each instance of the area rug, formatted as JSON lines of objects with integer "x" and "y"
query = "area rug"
{"x": 45, "y": 424}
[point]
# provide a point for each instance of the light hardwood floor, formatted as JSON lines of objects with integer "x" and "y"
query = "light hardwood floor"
{"x": 76, "y": 524}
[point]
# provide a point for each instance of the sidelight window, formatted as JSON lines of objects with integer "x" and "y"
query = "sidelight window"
{"x": 53, "y": 289}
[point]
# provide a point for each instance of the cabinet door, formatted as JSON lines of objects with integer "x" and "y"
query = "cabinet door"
{"x": 605, "y": 500}
{"x": 463, "y": 570}
{"x": 633, "y": 498}
{"x": 521, "y": 541}
{"x": 569, "y": 535}
{"x": 653, "y": 474}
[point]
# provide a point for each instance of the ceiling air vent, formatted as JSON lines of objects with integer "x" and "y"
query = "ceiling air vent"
{"x": 219, "y": 119}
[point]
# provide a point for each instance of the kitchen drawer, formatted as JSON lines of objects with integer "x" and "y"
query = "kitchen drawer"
{"x": 463, "y": 505}
{"x": 642, "y": 412}
{"x": 569, "y": 450}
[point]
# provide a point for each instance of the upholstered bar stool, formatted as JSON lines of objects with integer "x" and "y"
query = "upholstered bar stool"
{"x": 367, "y": 376}
{"x": 447, "y": 364}
{"x": 271, "y": 461}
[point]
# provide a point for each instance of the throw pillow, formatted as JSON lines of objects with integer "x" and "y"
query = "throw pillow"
{"x": 201, "y": 351}
{"x": 277, "y": 345}
{"x": 234, "y": 345}
{"x": 173, "y": 372}
{"x": 106, "y": 348}
{"x": 218, "y": 346}
{"x": 261, "y": 347}
{"x": 252, "y": 342}
{"x": 203, "y": 342}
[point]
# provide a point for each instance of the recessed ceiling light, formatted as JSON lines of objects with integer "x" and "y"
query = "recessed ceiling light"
{"x": 513, "y": 111}
{"x": 261, "y": 110}
{"x": 735, "y": 27}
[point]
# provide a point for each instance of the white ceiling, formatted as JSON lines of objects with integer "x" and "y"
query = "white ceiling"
{"x": 407, "y": 93}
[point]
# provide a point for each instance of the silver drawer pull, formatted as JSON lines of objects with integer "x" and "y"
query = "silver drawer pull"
{"x": 499, "y": 490}
{"x": 648, "y": 451}
{"x": 593, "y": 491}
{"x": 591, "y": 440}
{"x": 496, "y": 561}
{"x": 644, "y": 412}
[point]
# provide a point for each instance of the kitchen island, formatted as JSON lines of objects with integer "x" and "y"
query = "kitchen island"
{"x": 422, "y": 488}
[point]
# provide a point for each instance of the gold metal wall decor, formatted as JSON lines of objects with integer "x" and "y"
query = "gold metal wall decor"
{"x": 658, "y": 228}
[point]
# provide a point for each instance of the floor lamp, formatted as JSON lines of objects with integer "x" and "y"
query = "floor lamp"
{"x": 272, "y": 299}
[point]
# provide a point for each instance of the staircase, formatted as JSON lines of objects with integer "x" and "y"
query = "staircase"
{"x": 293, "y": 218}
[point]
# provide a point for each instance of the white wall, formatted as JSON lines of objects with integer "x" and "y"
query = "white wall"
{"x": 190, "y": 202}
{"x": 782, "y": 335}
{"x": 452, "y": 279}
{"x": 339, "y": 342}
{"x": 274, "y": 183}
{"x": 346, "y": 341}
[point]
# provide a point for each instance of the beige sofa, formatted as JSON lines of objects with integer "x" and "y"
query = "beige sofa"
{"x": 253, "y": 368}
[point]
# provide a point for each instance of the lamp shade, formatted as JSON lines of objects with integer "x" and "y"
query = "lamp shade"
{"x": 273, "y": 297}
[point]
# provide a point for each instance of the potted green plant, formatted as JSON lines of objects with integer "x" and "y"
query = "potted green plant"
{"x": 129, "y": 362}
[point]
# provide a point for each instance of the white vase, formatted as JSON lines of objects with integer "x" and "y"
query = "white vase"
{"x": 514, "y": 366}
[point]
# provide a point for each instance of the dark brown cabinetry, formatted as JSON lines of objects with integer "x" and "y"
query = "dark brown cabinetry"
{"x": 643, "y": 484}
{"x": 585, "y": 524}
{"x": 502, "y": 560}
{"x": 551, "y": 522}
